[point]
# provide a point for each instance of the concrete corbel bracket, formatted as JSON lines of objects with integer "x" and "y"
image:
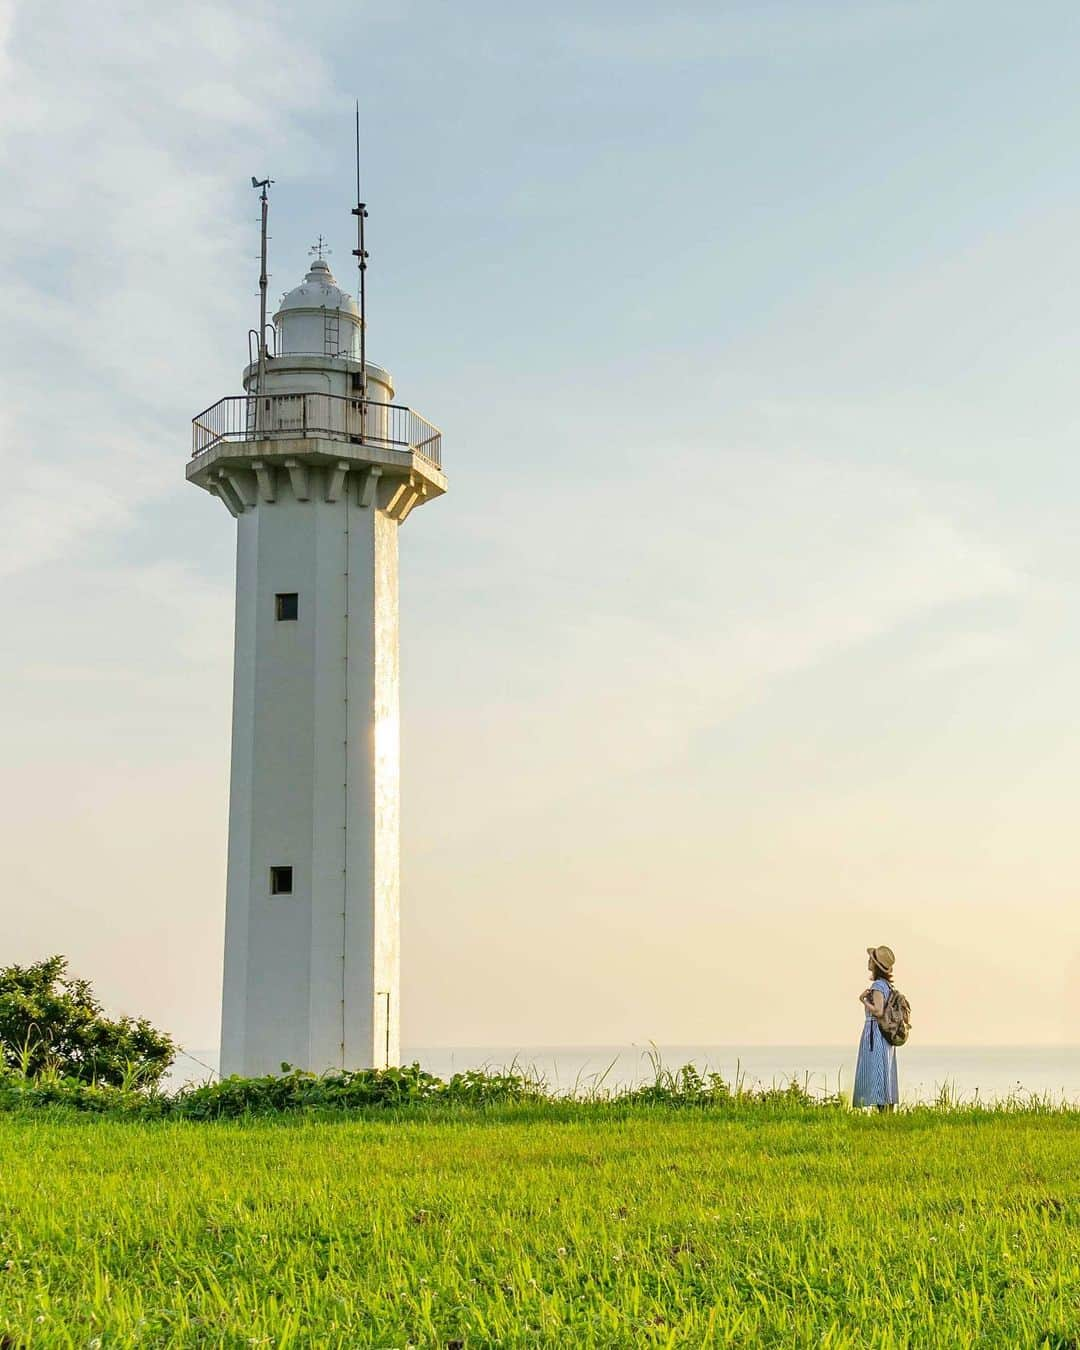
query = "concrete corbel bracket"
{"x": 396, "y": 493}
{"x": 335, "y": 480}
{"x": 214, "y": 491}
{"x": 407, "y": 503}
{"x": 299, "y": 478}
{"x": 419, "y": 495}
{"x": 226, "y": 490}
{"x": 267, "y": 479}
{"x": 243, "y": 485}
{"x": 367, "y": 486}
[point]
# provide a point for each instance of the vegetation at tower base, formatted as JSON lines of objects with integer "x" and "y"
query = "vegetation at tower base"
{"x": 410, "y": 1090}
{"x": 399, "y": 1089}
{"x": 52, "y": 1026}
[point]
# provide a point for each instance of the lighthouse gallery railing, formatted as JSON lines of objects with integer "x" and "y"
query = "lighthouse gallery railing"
{"x": 250, "y": 417}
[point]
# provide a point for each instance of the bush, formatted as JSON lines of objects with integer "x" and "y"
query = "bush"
{"x": 291, "y": 1091}
{"x": 51, "y": 1024}
{"x": 349, "y": 1090}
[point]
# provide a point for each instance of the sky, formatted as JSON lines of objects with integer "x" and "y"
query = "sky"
{"x": 747, "y": 634}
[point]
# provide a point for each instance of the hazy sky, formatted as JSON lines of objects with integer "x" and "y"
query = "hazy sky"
{"x": 748, "y": 632}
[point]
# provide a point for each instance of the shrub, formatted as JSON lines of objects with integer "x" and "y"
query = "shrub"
{"x": 295, "y": 1090}
{"x": 51, "y": 1024}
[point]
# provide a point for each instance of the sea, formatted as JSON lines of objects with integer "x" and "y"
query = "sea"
{"x": 927, "y": 1072}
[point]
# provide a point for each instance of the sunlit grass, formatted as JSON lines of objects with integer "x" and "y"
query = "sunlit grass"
{"x": 539, "y": 1224}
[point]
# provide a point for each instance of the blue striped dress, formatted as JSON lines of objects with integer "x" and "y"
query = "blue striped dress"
{"x": 875, "y": 1069}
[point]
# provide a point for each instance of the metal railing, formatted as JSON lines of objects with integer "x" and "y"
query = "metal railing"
{"x": 257, "y": 417}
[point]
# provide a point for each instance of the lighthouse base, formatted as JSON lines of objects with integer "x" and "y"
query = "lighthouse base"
{"x": 312, "y": 908}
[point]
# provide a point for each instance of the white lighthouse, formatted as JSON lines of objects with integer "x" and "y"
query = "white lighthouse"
{"x": 320, "y": 468}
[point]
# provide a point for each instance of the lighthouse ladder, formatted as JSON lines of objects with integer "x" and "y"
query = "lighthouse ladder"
{"x": 331, "y": 332}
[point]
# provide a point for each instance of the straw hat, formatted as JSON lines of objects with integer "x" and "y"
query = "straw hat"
{"x": 882, "y": 957}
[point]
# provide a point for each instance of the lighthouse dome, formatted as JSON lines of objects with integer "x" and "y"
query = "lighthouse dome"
{"x": 317, "y": 317}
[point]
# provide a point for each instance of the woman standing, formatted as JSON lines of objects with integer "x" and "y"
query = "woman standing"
{"x": 875, "y": 1069}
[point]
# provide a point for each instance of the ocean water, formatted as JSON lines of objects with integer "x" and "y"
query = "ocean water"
{"x": 989, "y": 1073}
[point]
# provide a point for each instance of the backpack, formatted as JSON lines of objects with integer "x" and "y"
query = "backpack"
{"x": 895, "y": 1020}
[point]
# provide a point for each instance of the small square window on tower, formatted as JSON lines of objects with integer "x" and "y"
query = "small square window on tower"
{"x": 287, "y": 605}
{"x": 281, "y": 881}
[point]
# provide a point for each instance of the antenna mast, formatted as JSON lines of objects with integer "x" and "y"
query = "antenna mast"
{"x": 360, "y": 254}
{"x": 262, "y": 184}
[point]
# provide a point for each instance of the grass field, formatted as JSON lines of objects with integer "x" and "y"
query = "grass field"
{"x": 543, "y": 1226}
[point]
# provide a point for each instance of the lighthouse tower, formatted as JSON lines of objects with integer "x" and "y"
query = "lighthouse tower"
{"x": 320, "y": 468}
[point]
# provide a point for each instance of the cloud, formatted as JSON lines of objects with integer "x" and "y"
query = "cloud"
{"x": 665, "y": 601}
{"x": 126, "y": 151}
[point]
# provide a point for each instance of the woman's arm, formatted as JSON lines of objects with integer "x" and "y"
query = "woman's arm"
{"x": 873, "y": 1001}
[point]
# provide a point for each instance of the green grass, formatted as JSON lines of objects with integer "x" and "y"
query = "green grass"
{"x": 543, "y": 1225}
